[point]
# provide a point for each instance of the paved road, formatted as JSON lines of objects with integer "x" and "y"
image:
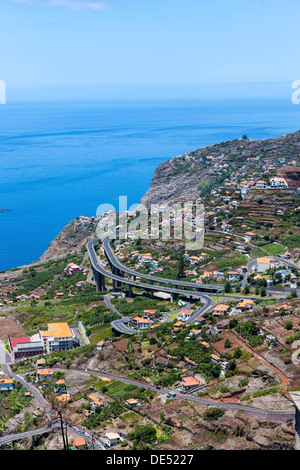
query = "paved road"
{"x": 5, "y": 361}
{"x": 234, "y": 406}
{"x": 119, "y": 324}
{"x": 191, "y": 285}
{"x": 15, "y": 437}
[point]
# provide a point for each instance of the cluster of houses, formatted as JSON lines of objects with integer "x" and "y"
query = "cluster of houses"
{"x": 24, "y": 298}
{"x": 281, "y": 270}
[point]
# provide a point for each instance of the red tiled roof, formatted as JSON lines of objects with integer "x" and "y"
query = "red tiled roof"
{"x": 15, "y": 341}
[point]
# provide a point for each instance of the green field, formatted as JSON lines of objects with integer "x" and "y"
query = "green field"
{"x": 272, "y": 249}
{"x": 292, "y": 241}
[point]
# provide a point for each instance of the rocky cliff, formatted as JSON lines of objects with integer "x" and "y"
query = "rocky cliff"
{"x": 72, "y": 238}
{"x": 181, "y": 178}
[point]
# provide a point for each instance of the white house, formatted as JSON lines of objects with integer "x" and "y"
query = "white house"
{"x": 277, "y": 182}
{"x": 185, "y": 314}
{"x": 112, "y": 439}
{"x": 261, "y": 184}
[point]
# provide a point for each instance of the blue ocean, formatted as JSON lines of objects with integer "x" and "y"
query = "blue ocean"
{"x": 60, "y": 160}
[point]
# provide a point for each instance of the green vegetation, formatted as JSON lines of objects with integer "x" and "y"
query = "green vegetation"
{"x": 139, "y": 304}
{"x": 291, "y": 338}
{"x": 273, "y": 249}
{"x": 12, "y": 402}
{"x": 211, "y": 414}
{"x": 249, "y": 331}
{"x": 142, "y": 436}
{"x": 292, "y": 241}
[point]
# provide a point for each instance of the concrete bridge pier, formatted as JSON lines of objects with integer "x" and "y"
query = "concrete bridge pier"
{"x": 174, "y": 296}
{"x": 99, "y": 280}
{"x": 117, "y": 272}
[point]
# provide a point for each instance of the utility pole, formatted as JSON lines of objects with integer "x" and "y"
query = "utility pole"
{"x": 62, "y": 429}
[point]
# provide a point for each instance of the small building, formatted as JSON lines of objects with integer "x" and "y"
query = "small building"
{"x": 189, "y": 383}
{"x": 270, "y": 338}
{"x": 222, "y": 309}
{"x": 215, "y": 358}
{"x": 200, "y": 321}
{"x": 277, "y": 182}
{"x": 142, "y": 323}
{"x": 41, "y": 362}
{"x": 80, "y": 443}
{"x": 60, "y": 385}
{"x": 37, "y": 413}
{"x": 283, "y": 308}
{"x": 261, "y": 184}
{"x": 65, "y": 398}
{"x": 245, "y": 304}
{"x": 194, "y": 332}
{"x": 6, "y": 384}
{"x": 185, "y": 314}
{"x": 265, "y": 263}
{"x": 44, "y": 373}
{"x": 34, "y": 297}
{"x": 233, "y": 275}
{"x": 22, "y": 298}
{"x": 132, "y": 402}
{"x": 118, "y": 295}
{"x": 71, "y": 269}
{"x": 112, "y": 439}
{"x": 149, "y": 314}
{"x": 249, "y": 236}
{"x": 80, "y": 285}
{"x": 95, "y": 402}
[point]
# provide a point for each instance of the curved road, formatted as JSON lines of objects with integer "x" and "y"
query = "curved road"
{"x": 98, "y": 268}
{"x": 114, "y": 261}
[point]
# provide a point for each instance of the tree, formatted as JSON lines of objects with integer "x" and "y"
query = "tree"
{"x": 143, "y": 434}
{"x": 263, "y": 291}
{"x": 237, "y": 352}
{"x": 212, "y": 414}
{"x": 233, "y": 323}
{"x": 227, "y": 343}
{"x": 180, "y": 269}
{"x": 227, "y": 287}
{"x": 247, "y": 289}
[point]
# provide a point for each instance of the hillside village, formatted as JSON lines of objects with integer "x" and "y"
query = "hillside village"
{"x": 133, "y": 390}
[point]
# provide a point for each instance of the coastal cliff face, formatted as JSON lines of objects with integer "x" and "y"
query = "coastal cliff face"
{"x": 72, "y": 238}
{"x": 185, "y": 177}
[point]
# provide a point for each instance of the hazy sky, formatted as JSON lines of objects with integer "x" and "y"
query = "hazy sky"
{"x": 148, "y": 47}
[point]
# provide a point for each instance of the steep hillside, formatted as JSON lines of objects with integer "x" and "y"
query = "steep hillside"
{"x": 181, "y": 178}
{"x": 71, "y": 239}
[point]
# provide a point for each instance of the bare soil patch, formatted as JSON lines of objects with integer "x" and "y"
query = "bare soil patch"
{"x": 10, "y": 327}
